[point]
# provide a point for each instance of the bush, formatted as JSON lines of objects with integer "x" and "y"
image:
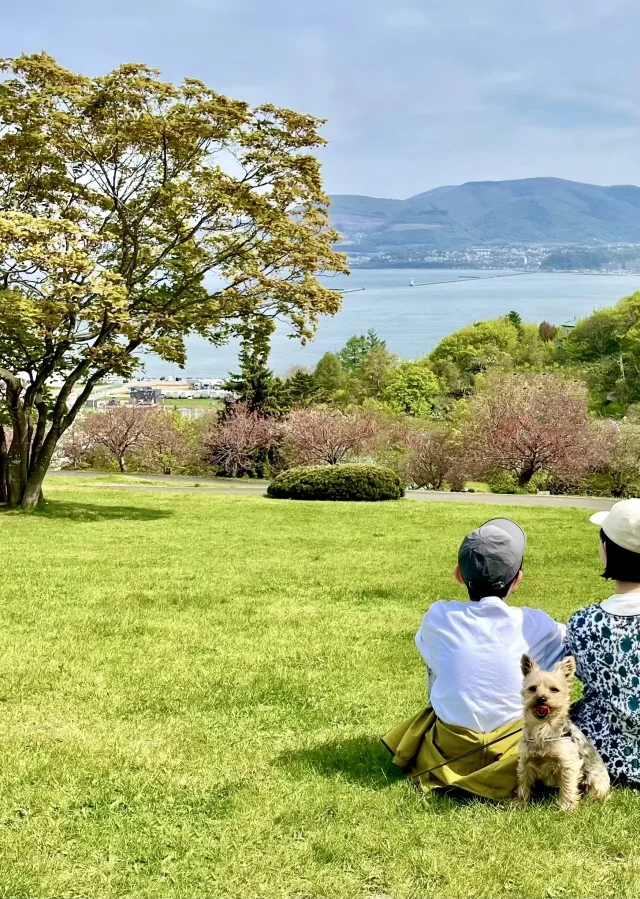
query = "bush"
{"x": 503, "y": 482}
{"x": 353, "y": 482}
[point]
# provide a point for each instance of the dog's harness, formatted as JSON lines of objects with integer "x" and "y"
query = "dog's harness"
{"x": 548, "y": 739}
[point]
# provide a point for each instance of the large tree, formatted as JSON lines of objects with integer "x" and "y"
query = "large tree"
{"x": 605, "y": 348}
{"x": 132, "y": 213}
{"x": 413, "y": 389}
{"x": 524, "y": 424}
{"x": 319, "y": 436}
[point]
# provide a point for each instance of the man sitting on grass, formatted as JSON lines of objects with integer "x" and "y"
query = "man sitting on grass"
{"x": 467, "y": 737}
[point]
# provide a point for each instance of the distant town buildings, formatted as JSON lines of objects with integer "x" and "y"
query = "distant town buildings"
{"x": 147, "y": 396}
{"x": 617, "y": 258}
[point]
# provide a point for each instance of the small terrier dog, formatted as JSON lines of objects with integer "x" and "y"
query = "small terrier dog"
{"x": 552, "y": 749}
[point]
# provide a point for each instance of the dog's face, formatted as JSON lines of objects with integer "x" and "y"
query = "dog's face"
{"x": 546, "y": 694}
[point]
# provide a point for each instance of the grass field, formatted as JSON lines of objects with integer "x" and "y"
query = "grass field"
{"x": 195, "y": 403}
{"x": 205, "y": 721}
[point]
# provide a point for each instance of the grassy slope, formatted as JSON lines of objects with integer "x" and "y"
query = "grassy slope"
{"x": 192, "y": 689}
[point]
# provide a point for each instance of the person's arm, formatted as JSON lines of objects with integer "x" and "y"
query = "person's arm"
{"x": 422, "y": 641}
{"x": 556, "y": 648}
{"x": 548, "y": 640}
{"x": 430, "y": 679}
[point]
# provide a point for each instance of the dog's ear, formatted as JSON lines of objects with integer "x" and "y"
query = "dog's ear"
{"x": 567, "y": 667}
{"x": 527, "y": 665}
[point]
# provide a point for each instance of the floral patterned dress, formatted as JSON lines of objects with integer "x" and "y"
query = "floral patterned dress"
{"x": 606, "y": 648}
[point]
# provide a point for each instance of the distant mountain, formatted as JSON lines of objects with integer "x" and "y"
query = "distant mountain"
{"x": 529, "y": 211}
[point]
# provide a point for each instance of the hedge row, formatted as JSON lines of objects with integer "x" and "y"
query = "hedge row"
{"x": 359, "y": 483}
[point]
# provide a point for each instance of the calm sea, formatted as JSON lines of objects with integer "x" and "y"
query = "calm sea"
{"x": 413, "y": 319}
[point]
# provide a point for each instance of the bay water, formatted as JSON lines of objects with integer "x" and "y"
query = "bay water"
{"x": 413, "y": 319}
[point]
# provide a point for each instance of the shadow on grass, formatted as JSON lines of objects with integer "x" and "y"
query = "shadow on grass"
{"x": 90, "y": 512}
{"x": 363, "y": 760}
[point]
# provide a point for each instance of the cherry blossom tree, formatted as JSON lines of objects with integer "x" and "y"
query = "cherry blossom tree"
{"x": 234, "y": 440}
{"x": 76, "y": 446}
{"x": 526, "y": 424}
{"x": 121, "y": 429}
{"x": 434, "y": 457}
{"x": 318, "y": 436}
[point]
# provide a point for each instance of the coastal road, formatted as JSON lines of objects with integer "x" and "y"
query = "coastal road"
{"x": 178, "y": 484}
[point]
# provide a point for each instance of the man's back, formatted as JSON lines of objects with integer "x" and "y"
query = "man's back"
{"x": 473, "y": 652}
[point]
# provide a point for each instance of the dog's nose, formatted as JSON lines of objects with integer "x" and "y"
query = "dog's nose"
{"x": 541, "y": 700}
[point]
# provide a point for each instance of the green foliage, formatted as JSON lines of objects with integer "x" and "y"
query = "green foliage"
{"x": 362, "y": 369}
{"x": 502, "y": 481}
{"x": 358, "y": 349}
{"x": 605, "y": 483}
{"x": 256, "y": 386}
{"x": 532, "y": 352}
{"x": 302, "y": 389}
{"x": 348, "y": 482}
{"x": 413, "y": 389}
{"x": 605, "y": 349}
{"x": 595, "y": 338}
{"x": 477, "y": 346}
{"x": 378, "y": 371}
{"x": 570, "y": 260}
{"x": 515, "y": 318}
{"x": 124, "y": 227}
{"x": 475, "y": 349}
{"x": 329, "y": 375}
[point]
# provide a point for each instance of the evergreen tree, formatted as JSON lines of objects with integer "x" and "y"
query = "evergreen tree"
{"x": 256, "y": 386}
{"x": 357, "y": 350}
{"x": 302, "y": 389}
{"x": 515, "y": 318}
{"x": 329, "y": 375}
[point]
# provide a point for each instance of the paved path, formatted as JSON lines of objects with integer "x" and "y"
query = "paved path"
{"x": 178, "y": 484}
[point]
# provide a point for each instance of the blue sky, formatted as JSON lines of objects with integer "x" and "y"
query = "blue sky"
{"x": 416, "y": 95}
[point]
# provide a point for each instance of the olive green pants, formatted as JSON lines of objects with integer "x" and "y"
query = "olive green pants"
{"x": 428, "y": 751}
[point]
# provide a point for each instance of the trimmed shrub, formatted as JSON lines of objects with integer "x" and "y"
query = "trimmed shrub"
{"x": 350, "y": 482}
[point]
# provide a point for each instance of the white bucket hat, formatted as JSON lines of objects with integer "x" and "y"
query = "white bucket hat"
{"x": 621, "y": 524}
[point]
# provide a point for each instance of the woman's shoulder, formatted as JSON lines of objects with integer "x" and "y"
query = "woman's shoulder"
{"x": 587, "y": 615}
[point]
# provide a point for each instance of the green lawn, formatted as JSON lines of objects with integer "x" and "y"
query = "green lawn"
{"x": 195, "y": 403}
{"x": 193, "y": 687}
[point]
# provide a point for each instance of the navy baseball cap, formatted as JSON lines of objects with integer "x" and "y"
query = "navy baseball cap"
{"x": 492, "y": 555}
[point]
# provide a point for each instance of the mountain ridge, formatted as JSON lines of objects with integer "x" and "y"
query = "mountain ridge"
{"x": 524, "y": 211}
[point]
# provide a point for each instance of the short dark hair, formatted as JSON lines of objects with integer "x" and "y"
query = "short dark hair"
{"x": 479, "y": 589}
{"x": 622, "y": 564}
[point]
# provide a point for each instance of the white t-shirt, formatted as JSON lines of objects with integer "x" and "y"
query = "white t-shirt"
{"x": 473, "y": 652}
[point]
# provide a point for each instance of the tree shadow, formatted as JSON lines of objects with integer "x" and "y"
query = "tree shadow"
{"x": 88, "y": 512}
{"x": 363, "y": 760}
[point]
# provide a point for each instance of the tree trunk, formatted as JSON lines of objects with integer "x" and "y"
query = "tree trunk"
{"x": 17, "y": 461}
{"x": 4, "y": 475}
{"x": 122, "y": 463}
{"x": 33, "y": 496}
{"x": 525, "y": 476}
{"x": 29, "y": 456}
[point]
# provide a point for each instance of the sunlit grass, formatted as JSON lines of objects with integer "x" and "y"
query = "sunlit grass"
{"x": 193, "y": 686}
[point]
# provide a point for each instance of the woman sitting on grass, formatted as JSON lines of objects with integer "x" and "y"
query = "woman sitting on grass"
{"x": 605, "y": 640}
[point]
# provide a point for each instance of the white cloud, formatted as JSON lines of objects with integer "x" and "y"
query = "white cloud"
{"x": 430, "y": 92}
